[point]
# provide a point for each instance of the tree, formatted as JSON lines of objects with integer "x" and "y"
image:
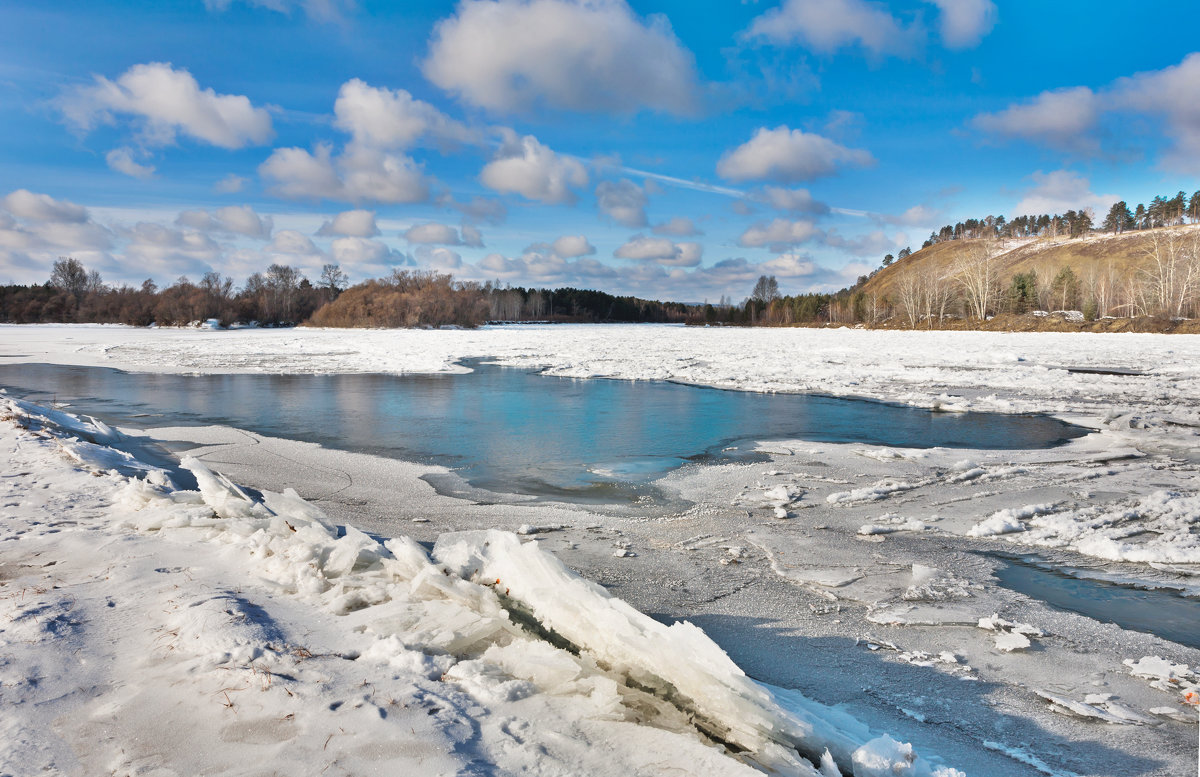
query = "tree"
{"x": 1022, "y": 292}
{"x": 68, "y": 275}
{"x": 1194, "y": 208}
{"x": 1118, "y": 219}
{"x": 977, "y": 278}
{"x": 904, "y": 253}
{"x": 333, "y": 280}
{"x": 888, "y": 260}
{"x": 766, "y": 290}
{"x": 1065, "y": 289}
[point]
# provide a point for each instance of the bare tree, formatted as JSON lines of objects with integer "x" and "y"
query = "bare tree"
{"x": 977, "y": 277}
{"x": 1171, "y": 275}
{"x": 69, "y": 275}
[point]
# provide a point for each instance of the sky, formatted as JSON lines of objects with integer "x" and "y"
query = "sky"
{"x": 669, "y": 149}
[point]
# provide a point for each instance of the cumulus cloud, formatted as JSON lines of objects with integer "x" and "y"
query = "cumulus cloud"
{"x": 660, "y": 250}
{"x": 578, "y": 55}
{"x": 439, "y": 257}
{"x": 164, "y": 102}
{"x": 824, "y": 26}
{"x": 361, "y": 174}
{"x": 351, "y": 223}
{"x": 121, "y": 160}
{"x": 779, "y": 234}
{"x": 440, "y": 234}
{"x": 161, "y": 251}
{"x": 36, "y": 229}
{"x": 1173, "y": 94}
{"x": 964, "y": 23}
{"x": 233, "y": 219}
{"x": 364, "y": 256}
{"x": 1066, "y": 118}
{"x": 29, "y": 206}
{"x": 788, "y": 156}
{"x": 1059, "y": 191}
{"x": 1061, "y": 118}
{"x": 526, "y": 167}
{"x": 679, "y": 226}
{"x": 383, "y": 118}
{"x": 791, "y": 200}
{"x": 289, "y": 242}
{"x": 622, "y": 201}
{"x": 570, "y": 246}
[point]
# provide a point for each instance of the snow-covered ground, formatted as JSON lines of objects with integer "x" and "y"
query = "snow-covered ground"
{"x": 835, "y": 574}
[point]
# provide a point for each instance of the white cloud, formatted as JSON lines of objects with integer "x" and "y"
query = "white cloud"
{"x": 526, "y": 167}
{"x": 571, "y": 246}
{"x": 160, "y": 251}
{"x": 289, "y": 242}
{"x": 824, "y": 26}
{"x": 363, "y": 256}
{"x": 376, "y": 176}
{"x": 1174, "y": 94}
{"x": 622, "y": 201}
{"x": 1064, "y": 118}
{"x": 230, "y": 184}
{"x": 1059, "y": 191}
{"x": 789, "y": 266}
{"x": 361, "y": 174}
{"x": 29, "y": 206}
{"x": 233, "y": 219}
{"x": 791, "y": 200}
{"x": 121, "y": 160}
{"x": 164, "y": 102}
{"x": 382, "y": 118}
{"x": 439, "y": 257}
{"x": 433, "y": 233}
{"x": 592, "y": 56}
{"x": 471, "y": 236}
{"x": 964, "y": 23}
{"x": 351, "y": 223}
{"x": 298, "y": 174}
{"x": 679, "y": 226}
{"x": 779, "y": 234}
{"x": 660, "y": 250}
{"x": 788, "y": 156}
{"x": 1061, "y": 118}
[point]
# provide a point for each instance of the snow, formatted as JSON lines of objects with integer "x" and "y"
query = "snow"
{"x": 858, "y": 615}
{"x": 265, "y": 625}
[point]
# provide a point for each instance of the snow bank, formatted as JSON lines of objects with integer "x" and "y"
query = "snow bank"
{"x": 503, "y": 621}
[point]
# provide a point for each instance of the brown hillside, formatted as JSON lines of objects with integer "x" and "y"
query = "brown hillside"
{"x": 1123, "y": 254}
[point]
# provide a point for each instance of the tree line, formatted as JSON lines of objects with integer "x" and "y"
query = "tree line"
{"x": 283, "y": 296}
{"x": 1163, "y": 211}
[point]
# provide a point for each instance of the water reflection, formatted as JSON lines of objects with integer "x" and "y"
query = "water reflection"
{"x": 509, "y": 430}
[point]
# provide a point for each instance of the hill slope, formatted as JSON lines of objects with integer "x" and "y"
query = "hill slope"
{"x": 1150, "y": 272}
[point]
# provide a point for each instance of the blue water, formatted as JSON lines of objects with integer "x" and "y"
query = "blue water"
{"x": 509, "y": 430}
{"x": 1164, "y": 612}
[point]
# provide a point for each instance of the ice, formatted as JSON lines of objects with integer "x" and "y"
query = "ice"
{"x": 1009, "y": 520}
{"x": 475, "y": 638}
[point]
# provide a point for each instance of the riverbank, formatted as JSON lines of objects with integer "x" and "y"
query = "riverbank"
{"x": 869, "y": 590}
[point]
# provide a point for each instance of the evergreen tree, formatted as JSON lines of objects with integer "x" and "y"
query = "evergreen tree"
{"x": 1118, "y": 219}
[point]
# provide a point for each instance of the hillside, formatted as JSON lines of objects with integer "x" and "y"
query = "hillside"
{"x": 1152, "y": 272}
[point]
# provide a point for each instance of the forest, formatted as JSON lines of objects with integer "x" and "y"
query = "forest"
{"x": 283, "y": 296}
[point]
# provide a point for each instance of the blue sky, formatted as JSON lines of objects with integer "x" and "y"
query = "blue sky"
{"x": 666, "y": 149}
